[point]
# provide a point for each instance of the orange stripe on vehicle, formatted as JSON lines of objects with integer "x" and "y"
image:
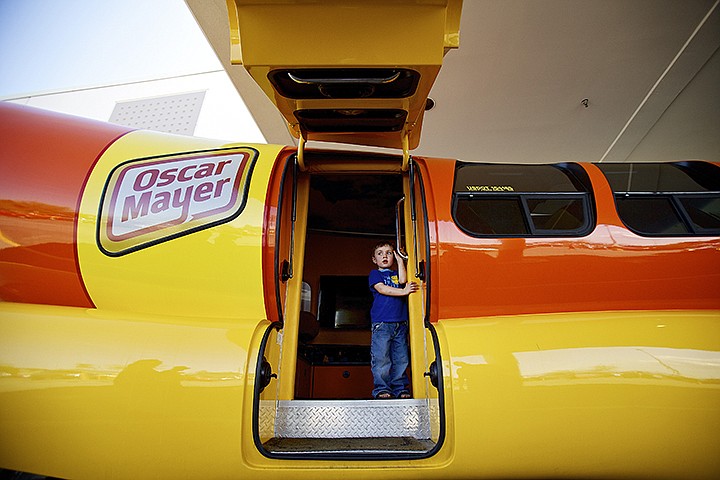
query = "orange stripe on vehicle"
{"x": 41, "y": 183}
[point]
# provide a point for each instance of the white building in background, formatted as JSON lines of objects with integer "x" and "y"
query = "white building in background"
{"x": 202, "y": 104}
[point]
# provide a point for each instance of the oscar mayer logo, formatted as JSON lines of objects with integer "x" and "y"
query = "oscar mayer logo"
{"x": 152, "y": 200}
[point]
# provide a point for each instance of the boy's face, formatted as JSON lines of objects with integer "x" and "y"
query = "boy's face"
{"x": 383, "y": 257}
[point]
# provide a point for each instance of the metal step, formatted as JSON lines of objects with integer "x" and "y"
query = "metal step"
{"x": 383, "y": 445}
{"x": 348, "y": 419}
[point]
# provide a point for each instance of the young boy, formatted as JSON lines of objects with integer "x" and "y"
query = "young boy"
{"x": 389, "y": 316}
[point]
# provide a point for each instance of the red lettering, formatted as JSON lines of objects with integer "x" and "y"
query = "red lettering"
{"x": 133, "y": 208}
{"x": 220, "y": 166}
{"x": 178, "y": 201}
{"x": 219, "y": 186}
{"x": 202, "y": 192}
{"x": 204, "y": 170}
{"x": 182, "y": 175}
{"x": 161, "y": 203}
{"x": 138, "y": 185}
{"x": 167, "y": 177}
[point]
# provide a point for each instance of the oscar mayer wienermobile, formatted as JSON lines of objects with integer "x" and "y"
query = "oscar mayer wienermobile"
{"x": 175, "y": 307}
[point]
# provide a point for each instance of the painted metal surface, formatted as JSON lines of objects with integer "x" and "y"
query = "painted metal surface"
{"x": 40, "y": 186}
{"x": 93, "y": 393}
{"x": 208, "y": 272}
{"x": 609, "y": 269}
{"x": 155, "y": 350}
{"x": 618, "y": 394}
{"x": 347, "y": 36}
{"x": 56, "y": 241}
{"x": 149, "y": 375}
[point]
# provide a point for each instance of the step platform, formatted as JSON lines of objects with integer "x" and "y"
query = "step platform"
{"x": 353, "y": 418}
{"x": 349, "y": 426}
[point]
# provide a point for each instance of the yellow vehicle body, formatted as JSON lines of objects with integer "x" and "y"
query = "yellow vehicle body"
{"x": 164, "y": 409}
{"x": 352, "y": 36}
{"x": 154, "y": 288}
{"x": 156, "y": 379}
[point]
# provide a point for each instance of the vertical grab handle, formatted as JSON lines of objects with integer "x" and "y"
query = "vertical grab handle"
{"x": 398, "y": 225}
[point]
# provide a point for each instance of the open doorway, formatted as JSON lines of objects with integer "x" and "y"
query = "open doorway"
{"x": 313, "y": 389}
{"x": 348, "y": 213}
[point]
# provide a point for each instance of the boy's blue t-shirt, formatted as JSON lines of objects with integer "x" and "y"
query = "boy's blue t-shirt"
{"x": 386, "y": 308}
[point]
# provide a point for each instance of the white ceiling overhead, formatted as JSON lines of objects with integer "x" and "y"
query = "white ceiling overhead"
{"x": 545, "y": 81}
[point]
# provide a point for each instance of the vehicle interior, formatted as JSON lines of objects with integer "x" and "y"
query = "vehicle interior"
{"x": 348, "y": 213}
{"x": 333, "y": 211}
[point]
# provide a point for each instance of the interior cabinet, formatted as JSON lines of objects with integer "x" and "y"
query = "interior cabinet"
{"x": 333, "y": 372}
{"x": 342, "y": 381}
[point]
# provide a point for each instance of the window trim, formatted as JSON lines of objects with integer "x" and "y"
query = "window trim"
{"x": 532, "y": 231}
{"x": 695, "y": 170}
{"x": 682, "y": 214}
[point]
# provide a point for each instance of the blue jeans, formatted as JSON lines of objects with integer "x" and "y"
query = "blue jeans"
{"x": 389, "y": 358}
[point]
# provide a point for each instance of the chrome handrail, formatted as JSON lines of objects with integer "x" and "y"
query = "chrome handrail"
{"x": 398, "y": 247}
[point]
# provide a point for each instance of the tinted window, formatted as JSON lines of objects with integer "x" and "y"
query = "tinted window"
{"x": 650, "y": 215}
{"x": 491, "y": 216}
{"x": 513, "y": 178}
{"x": 664, "y": 199}
{"x": 649, "y": 177}
{"x": 522, "y": 200}
{"x": 556, "y": 213}
{"x": 704, "y": 212}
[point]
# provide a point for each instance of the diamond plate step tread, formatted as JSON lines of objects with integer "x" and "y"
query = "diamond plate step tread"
{"x": 348, "y": 445}
{"x": 352, "y": 419}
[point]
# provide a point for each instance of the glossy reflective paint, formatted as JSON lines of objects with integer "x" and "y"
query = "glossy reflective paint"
{"x": 211, "y": 272}
{"x": 600, "y": 392}
{"x": 279, "y": 175}
{"x": 46, "y": 158}
{"x": 47, "y": 242}
{"x": 98, "y": 394}
{"x": 609, "y": 269}
{"x": 151, "y": 375}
